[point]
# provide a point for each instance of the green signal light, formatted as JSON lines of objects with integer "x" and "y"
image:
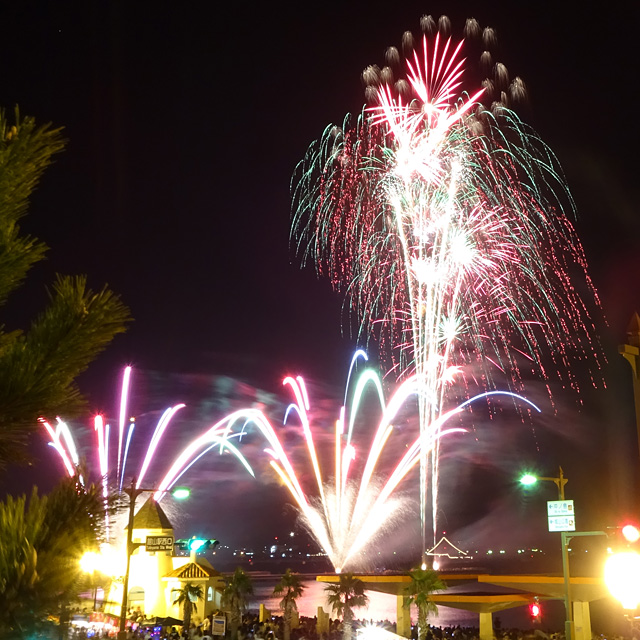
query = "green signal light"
{"x": 181, "y": 493}
{"x": 196, "y": 544}
{"x": 527, "y": 480}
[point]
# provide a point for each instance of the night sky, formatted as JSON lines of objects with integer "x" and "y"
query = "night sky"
{"x": 185, "y": 122}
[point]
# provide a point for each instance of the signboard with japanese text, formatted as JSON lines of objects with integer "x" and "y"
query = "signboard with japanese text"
{"x": 159, "y": 543}
{"x": 560, "y": 508}
{"x": 562, "y": 523}
{"x": 561, "y": 515}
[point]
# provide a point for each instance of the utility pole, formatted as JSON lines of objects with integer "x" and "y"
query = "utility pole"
{"x": 133, "y": 493}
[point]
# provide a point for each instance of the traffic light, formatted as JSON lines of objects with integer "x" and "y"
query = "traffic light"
{"x": 630, "y": 533}
{"x": 197, "y": 544}
{"x": 623, "y": 537}
{"x": 535, "y": 611}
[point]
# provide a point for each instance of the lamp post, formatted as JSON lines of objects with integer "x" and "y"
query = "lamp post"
{"x": 560, "y": 482}
{"x": 133, "y": 492}
{"x": 529, "y": 479}
{"x": 565, "y": 539}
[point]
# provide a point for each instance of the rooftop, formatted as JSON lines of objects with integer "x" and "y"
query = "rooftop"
{"x": 151, "y": 516}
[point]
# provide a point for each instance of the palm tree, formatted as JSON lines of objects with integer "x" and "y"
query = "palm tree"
{"x": 290, "y": 588}
{"x": 237, "y": 588}
{"x": 188, "y": 597}
{"x": 424, "y": 582}
{"x": 344, "y": 597}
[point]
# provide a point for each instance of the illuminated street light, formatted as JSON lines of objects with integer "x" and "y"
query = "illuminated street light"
{"x": 90, "y": 563}
{"x": 622, "y": 569}
{"x": 528, "y": 480}
{"x": 622, "y": 577}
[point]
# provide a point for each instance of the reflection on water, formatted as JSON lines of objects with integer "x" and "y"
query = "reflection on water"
{"x": 382, "y": 606}
{"x": 606, "y": 614}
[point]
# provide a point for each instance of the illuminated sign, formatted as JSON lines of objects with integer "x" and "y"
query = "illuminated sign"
{"x": 159, "y": 543}
{"x": 561, "y": 515}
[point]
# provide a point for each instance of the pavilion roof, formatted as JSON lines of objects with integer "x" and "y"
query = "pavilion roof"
{"x": 194, "y": 570}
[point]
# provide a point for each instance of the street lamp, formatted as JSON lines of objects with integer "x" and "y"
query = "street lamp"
{"x": 622, "y": 571}
{"x": 529, "y": 479}
{"x": 133, "y": 492}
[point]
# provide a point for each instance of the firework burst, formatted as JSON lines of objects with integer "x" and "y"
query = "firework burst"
{"x": 444, "y": 222}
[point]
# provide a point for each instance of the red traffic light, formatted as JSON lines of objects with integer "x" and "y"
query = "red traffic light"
{"x": 623, "y": 536}
{"x": 535, "y": 610}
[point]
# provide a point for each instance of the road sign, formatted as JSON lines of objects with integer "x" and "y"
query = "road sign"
{"x": 562, "y": 523}
{"x": 560, "y": 508}
{"x": 561, "y": 515}
{"x": 159, "y": 543}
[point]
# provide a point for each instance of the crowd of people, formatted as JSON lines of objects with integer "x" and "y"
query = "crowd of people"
{"x": 273, "y": 629}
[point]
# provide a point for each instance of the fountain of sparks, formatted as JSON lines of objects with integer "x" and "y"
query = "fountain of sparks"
{"x": 345, "y": 513}
{"x": 352, "y": 509}
{"x": 443, "y": 221}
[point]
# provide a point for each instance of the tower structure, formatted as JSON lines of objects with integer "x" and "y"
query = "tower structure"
{"x": 155, "y": 576}
{"x": 148, "y": 568}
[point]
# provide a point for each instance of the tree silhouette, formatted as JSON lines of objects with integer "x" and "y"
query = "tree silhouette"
{"x": 38, "y": 368}
{"x": 188, "y": 597}
{"x": 424, "y": 582}
{"x": 290, "y": 589}
{"x": 42, "y": 541}
{"x": 237, "y": 588}
{"x": 344, "y": 597}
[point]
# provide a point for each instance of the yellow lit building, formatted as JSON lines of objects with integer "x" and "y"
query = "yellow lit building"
{"x": 154, "y": 576}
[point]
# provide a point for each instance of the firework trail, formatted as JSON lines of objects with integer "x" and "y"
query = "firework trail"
{"x": 440, "y": 214}
{"x": 63, "y": 442}
{"x": 344, "y": 513}
{"x": 352, "y": 509}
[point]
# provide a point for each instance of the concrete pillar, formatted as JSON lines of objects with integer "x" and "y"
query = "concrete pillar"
{"x": 265, "y": 614}
{"x": 582, "y": 620}
{"x": 403, "y": 617}
{"x": 322, "y": 624}
{"x": 486, "y": 625}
